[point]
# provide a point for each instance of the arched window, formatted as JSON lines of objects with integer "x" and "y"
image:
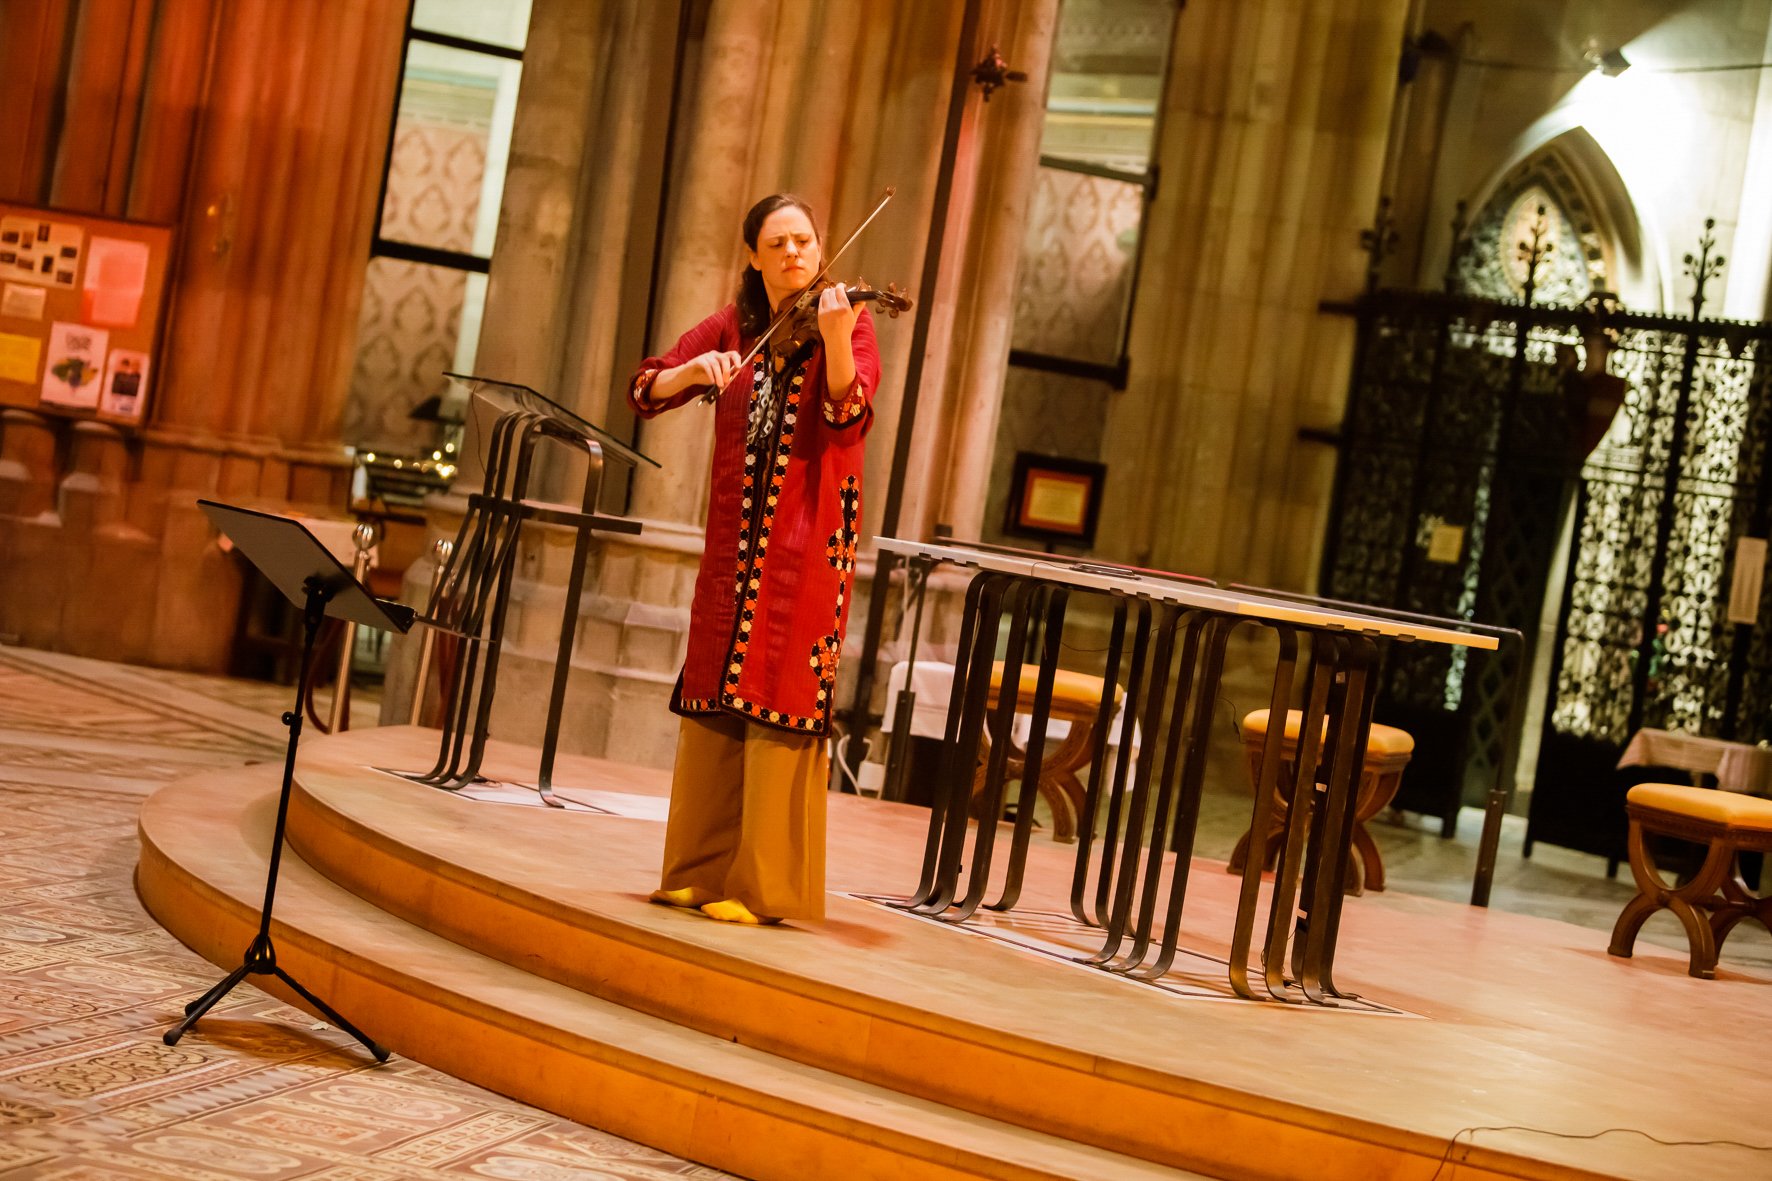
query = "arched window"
{"x": 1541, "y": 196}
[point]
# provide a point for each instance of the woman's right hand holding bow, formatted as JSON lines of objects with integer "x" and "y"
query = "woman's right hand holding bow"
{"x": 715, "y": 368}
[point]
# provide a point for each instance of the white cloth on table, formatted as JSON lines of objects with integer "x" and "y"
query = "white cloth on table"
{"x": 1738, "y": 766}
{"x": 934, "y": 684}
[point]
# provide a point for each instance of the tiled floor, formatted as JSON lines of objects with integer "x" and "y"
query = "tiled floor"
{"x": 87, "y": 1089}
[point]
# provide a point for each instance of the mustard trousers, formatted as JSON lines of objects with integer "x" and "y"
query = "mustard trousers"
{"x": 747, "y": 816}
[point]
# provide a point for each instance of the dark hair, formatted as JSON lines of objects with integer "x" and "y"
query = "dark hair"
{"x": 754, "y": 312}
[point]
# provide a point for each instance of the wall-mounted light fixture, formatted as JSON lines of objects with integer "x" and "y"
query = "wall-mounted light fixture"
{"x": 993, "y": 73}
{"x": 1610, "y": 62}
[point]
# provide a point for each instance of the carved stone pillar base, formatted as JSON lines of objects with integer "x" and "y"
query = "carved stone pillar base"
{"x": 27, "y": 456}
{"x": 106, "y": 552}
{"x": 632, "y": 630}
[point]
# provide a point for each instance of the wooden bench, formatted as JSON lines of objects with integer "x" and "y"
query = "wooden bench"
{"x": 1716, "y": 898}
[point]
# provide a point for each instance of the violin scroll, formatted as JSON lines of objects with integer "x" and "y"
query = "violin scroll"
{"x": 892, "y": 298}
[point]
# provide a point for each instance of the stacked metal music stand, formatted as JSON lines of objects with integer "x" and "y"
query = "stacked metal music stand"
{"x": 471, "y": 598}
{"x": 1167, "y": 646}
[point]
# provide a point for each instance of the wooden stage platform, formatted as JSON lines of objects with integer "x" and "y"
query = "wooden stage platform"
{"x": 512, "y": 945}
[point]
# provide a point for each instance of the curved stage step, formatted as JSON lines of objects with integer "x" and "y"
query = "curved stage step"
{"x": 512, "y": 946}
{"x": 700, "y": 1097}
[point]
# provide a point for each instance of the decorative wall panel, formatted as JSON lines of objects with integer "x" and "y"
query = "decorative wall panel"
{"x": 1047, "y": 414}
{"x": 1076, "y": 265}
{"x": 412, "y": 313}
{"x": 1070, "y": 301}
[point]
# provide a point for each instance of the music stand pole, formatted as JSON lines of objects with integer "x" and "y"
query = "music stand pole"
{"x": 261, "y": 955}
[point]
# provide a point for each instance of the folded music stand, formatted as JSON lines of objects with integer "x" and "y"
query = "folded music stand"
{"x": 313, "y": 579}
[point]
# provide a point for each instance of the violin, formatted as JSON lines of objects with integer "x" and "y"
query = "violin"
{"x": 798, "y": 329}
{"x": 799, "y": 319}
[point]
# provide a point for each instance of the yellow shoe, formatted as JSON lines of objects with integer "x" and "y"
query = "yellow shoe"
{"x": 733, "y": 911}
{"x": 689, "y": 897}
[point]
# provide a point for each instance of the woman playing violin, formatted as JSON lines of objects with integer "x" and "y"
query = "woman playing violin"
{"x": 745, "y": 840}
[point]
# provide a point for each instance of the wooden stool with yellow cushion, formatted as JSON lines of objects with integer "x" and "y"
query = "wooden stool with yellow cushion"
{"x": 1388, "y": 751}
{"x": 1715, "y": 899}
{"x": 1076, "y": 699}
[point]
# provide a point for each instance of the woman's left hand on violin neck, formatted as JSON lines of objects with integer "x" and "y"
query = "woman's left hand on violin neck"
{"x": 836, "y": 325}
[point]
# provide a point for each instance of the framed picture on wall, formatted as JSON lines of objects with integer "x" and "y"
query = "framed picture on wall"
{"x": 1053, "y": 498}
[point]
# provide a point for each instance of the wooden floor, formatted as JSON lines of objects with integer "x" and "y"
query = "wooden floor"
{"x": 512, "y": 946}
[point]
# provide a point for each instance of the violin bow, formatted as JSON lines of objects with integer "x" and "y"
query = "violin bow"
{"x": 800, "y": 300}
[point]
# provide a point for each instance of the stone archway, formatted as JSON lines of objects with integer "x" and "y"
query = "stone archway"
{"x": 1598, "y": 241}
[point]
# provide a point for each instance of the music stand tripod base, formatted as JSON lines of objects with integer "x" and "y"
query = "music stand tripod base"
{"x": 307, "y": 573}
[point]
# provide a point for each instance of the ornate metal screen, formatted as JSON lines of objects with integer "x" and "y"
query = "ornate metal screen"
{"x": 1466, "y": 415}
{"x": 1695, "y": 422}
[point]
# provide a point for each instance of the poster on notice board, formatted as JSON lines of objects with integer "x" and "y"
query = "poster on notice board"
{"x": 81, "y": 303}
{"x": 75, "y": 365}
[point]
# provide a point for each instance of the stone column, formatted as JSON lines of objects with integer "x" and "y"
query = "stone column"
{"x": 31, "y": 39}
{"x": 1272, "y": 149}
{"x": 994, "y": 181}
{"x": 574, "y": 247}
{"x": 104, "y": 93}
{"x": 702, "y": 258}
{"x": 277, "y": 227}
{"x": 1747, "y": 293}
{"x": 286, "y": 167}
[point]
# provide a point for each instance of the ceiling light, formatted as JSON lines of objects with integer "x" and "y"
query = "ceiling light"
{"x": 1610, "y": 63}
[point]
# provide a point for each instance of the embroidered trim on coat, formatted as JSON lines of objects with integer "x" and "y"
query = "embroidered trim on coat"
{"x": 761, "y": 419}
{"x": 640, "y": 387}
{"x": 753, "y": 550}
{"x": 839, "y": 551}
{"x": 846, "y": 408}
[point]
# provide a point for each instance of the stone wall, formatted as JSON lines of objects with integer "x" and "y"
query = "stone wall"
{"x": 1272, "y": 147}
{"x": 1672, "y": 145}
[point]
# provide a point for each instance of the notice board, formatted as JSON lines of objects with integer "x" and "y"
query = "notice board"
{"x": 81, "y": 300}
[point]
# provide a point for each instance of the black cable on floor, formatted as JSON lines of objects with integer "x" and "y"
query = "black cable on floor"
{"x": 1446, "y": 1157}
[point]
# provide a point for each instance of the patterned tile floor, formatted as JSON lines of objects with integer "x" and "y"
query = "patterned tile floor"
{"x": 88, "y": 981}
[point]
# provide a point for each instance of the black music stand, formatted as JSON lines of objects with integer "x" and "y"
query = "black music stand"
{"x": 311, "y": 578}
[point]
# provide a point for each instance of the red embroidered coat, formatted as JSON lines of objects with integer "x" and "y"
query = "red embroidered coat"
{"x": 772, "y": 599}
